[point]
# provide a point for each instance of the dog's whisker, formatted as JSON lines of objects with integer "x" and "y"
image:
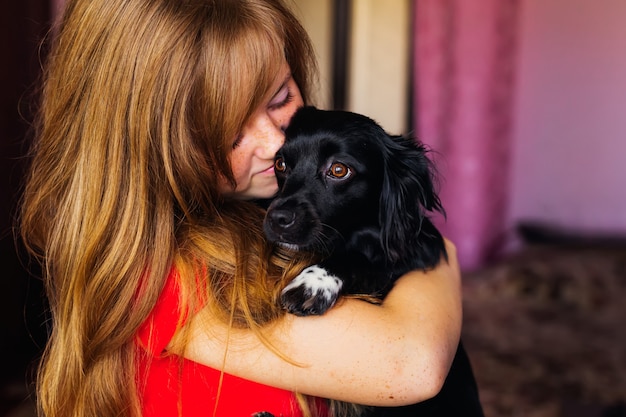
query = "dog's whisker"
{"x": 322, "y": 243}
{"x": 328, "y": 235}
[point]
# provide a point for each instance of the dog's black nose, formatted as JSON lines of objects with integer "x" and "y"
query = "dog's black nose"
{"x": 282, "y": 219}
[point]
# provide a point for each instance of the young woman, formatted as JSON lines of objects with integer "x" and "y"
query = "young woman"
{"x": 158, "y": 125}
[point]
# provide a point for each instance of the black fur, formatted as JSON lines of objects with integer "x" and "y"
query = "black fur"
{"x": 369, "y": 226}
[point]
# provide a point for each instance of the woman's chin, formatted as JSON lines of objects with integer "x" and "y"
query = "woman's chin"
{"x": 255, "y": 193}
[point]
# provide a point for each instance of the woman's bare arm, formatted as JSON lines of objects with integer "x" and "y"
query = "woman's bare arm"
{"x": 391, "y": 354}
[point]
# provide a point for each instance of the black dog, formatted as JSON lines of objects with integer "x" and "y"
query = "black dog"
{"x": 359, "y": 198}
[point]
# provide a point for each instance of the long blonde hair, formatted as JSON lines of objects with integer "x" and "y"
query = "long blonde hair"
{"x": 139, "y": 101}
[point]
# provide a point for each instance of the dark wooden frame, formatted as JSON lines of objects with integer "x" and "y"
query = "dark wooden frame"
{"x": 341, "y": 28}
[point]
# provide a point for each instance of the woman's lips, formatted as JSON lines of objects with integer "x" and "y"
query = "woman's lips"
{"x": 268, "y": 171}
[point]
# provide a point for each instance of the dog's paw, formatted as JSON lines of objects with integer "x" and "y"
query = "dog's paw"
{"x": 312, "y": 292}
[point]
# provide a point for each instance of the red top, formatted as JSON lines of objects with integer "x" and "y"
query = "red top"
{"x": 167, "y": 382}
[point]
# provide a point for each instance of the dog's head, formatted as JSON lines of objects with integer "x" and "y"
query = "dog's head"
{"x": 341, "y": 176}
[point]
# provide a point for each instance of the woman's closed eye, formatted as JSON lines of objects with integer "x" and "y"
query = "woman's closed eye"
{"x": 237, "y": 141}
{"x": 282, "y": 98}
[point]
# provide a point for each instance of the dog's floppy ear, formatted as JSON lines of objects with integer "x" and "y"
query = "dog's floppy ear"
{"x": 408, "y": 194}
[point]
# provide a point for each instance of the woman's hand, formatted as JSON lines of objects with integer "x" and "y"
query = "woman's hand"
{"x": 391, "y": 354}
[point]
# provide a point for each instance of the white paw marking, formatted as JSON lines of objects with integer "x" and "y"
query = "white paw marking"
{"x": 317, "y": 282}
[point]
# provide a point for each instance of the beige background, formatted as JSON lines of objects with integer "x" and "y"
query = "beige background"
{"x": 379, "y": 60}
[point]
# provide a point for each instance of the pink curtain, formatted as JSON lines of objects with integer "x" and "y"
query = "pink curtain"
{"x": 464, "y": 66}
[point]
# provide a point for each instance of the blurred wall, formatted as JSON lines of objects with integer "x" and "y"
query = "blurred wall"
{"x": 569, "y": 160}
{"x": 378, "y": 61}
{"x": 316, "y": 17}
{"x": 569, "y": 128}
{"x": 379, "y": 71}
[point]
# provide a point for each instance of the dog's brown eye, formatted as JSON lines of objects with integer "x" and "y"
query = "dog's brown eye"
{"x": 339, "y": 170}
{"x": 280, "y": 165}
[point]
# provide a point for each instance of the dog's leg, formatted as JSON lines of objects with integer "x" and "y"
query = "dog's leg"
{"x": 312, "y": 292}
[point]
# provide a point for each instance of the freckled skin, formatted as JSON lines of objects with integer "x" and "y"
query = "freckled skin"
{"x": 252, "y": 157}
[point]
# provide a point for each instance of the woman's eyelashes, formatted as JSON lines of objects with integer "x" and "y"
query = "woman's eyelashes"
{"x": 237, "y": 140}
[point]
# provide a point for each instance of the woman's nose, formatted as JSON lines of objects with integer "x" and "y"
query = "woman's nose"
{"x": 271, "y": 137}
